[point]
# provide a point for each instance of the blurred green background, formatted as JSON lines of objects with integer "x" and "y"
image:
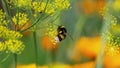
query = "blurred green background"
{"x": 78, "y": 24}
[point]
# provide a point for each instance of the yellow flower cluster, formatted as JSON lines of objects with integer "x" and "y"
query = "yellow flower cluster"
{"x": 112, "y": 41}
{"x": 21, "y": 3}
{"x": 2, "y": 18}
{"x": 11, "y": 42}
{"x": 51, "y": 32}
{"x": 112, "y": 49}
{"x": 14, "y": 46}
{"x": 38, "y": 6}
{"x": 113, "y": 19}
{"x": 62, "y": 4}
{"x": 9, "y": 34}
{"x": 20, "y": 19}
{"x": 112, "y": 45}
{"x": 50, "y": 7}
{"x": 12, "y": 35}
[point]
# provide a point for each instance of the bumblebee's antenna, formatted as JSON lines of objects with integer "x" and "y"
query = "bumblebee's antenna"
{"x": 70, "y": 36}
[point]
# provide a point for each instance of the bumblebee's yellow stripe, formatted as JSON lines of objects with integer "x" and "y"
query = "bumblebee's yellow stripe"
{"x": 60, "y": 31}
{"x": 62, "y": 36}
{"x": 62, "y": 27}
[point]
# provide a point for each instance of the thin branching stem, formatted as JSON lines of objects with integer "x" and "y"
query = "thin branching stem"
{"x": 7, "y": 10}
{"x": 39, "y": 18}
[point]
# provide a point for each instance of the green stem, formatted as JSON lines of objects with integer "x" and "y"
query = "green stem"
{"x": 36, "y": 48}
{"x": 78, "y": 28}
{"x": 106, "y": 28}
{"x": 14, "y": 60}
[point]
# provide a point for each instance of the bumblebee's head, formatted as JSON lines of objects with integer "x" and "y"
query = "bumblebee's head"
{"x": 62, "y": 30}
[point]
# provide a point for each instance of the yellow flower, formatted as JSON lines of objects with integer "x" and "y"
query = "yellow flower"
{"x": 27, "y": 66}
{"x": 2, "y": 30}
{"x": 59, "y": 65}
{"x": 90, "y": 64}
{"x": 21, "y": 3}
{"x": 11, "y": 34}
{"x": 87, "y": 46}
{"x": 2, "y": 46}
{"x": 90, "y": 6}
{"x": 50, "y": 9}
{"x": 112, "y": 45}
{"x": 51, "y": 31}
{"x": 14, "y": 46}
{"x": 38, "y": 6}
{"x": 48, "y": 40}
{"x": 111, "y": 61}
{"x": 20, "y": 19}
{"x": 2, "y": 15}
{"x": 24, "y": 3}
{"x": 62, "y": 4}
{"x": 10, "y": 41}
{"x": 5, "y": 33}
{"x": 2, "y": 18}
{"x": 113, "y": 19}
{"x": 112, "y": 49}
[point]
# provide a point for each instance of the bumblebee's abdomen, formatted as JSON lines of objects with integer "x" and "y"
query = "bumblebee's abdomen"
{"x": 61, "y": 37}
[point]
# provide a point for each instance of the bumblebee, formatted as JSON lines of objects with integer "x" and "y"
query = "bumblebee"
{"x": 61, "y": 34}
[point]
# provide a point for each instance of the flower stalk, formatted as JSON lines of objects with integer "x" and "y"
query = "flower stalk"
{"x": 14, "y": 60}
{"x": 36, "y": 48}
